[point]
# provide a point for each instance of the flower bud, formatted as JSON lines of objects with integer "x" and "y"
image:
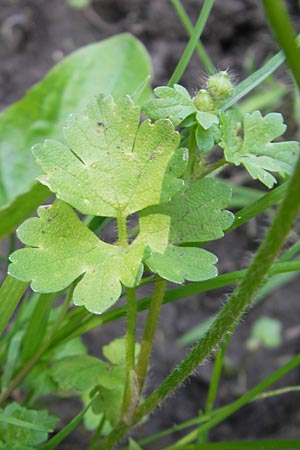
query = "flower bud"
{"x": 220, "y": 86}
{"x": 203, "y": 101}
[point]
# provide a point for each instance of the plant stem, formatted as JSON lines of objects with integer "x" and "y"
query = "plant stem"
{"x": 41, "y": 350}
{"x": 210, "y": 168}
{"x": 130, "y": 399}
{"x": 189, "y": 50}
{"x": 204, "y": 57}
{"x": 149, "y": 332}
{"x": 192, "y": 161}
{"x": 122, "y": 231}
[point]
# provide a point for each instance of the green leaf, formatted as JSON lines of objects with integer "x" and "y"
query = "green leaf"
{"x": 256, "y": 151}
{"x": 193, "y": 215}
{"x": 109, "y": 402}
{"x": 172, "y": 103}
{"x": 206, "y": 139}
{"x": 179, "y": 263}
{"x": 115, "y": 351}
{"x": 80, "y": 372}
{"x": 206, "y": 119}
{"x": 112, "y": 166}
{"x": 118, "y": 65}
{"x": 65, "y": 248}
{"x": 20, "y": 434}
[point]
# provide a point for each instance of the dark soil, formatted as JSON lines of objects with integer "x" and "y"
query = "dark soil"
{"x": 34, "y": 35}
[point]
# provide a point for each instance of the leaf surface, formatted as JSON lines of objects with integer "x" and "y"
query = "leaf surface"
{"x": 22, "y": 434}
{"x": 111, "y": 164}
{"x": 178, "y": 264}
{"x": 174, "y": 103}
{"x": 194, "y": 215}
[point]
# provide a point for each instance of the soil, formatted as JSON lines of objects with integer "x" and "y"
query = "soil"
{"x": 34, "y": 35}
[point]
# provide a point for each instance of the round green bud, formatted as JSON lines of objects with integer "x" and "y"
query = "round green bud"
{"x": 220, "y": 86}
{"x": 203, "y": 101}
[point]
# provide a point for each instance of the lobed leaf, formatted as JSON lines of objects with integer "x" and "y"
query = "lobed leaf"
{"x": 174, "y": 103}
{"x": 62, "y": 249}
{"x": 111, "y": 164}
{"x": 24, "y": 433}
{"x": 256, "y": 151}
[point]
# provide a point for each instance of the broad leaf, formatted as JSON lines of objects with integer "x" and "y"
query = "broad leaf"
{"x": 173, "y": 103}
{"x": 65, "y": 248}
{"x": 256, "y": 151}
{"x": 111, "y": 164}
{"x": 118, "y": 65}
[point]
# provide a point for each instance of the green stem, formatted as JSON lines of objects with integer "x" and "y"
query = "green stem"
{"x": 204, "y": 57}
{"x": 41, "y": 350}
{"x": 210, "y": 168}
{"x": 149, "y": 332}
{"x": 189, "y": 49}
{"x": 214, "y": 384}
{"x": 122, "y": 231}
{"x": 192, "y": 145}
{"x": 130, "y": 398}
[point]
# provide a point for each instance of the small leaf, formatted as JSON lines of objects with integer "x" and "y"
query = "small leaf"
{"x": 206, "y": 139}
{"x": 111, "y": 165}
{"x": 206, "y": 119}
{"x": 21, "y": 435}
{"x": 256, "y": 151}
{"x": 178, "y": 264}
{"x": 65, "y": 248}
{"x": 172, "y": 103}
{"x": 267, "y": 331}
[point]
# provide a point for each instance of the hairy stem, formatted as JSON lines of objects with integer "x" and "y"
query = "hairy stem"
{"x": 122, "y": 231}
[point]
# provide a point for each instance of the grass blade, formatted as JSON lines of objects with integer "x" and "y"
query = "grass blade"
{"x": 189, "y": 49}
{"x": 11, "y": 292}
{"x": 203, "y": 55}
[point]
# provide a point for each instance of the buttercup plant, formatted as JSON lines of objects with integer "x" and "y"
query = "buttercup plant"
{"x": 156, "y": 160}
